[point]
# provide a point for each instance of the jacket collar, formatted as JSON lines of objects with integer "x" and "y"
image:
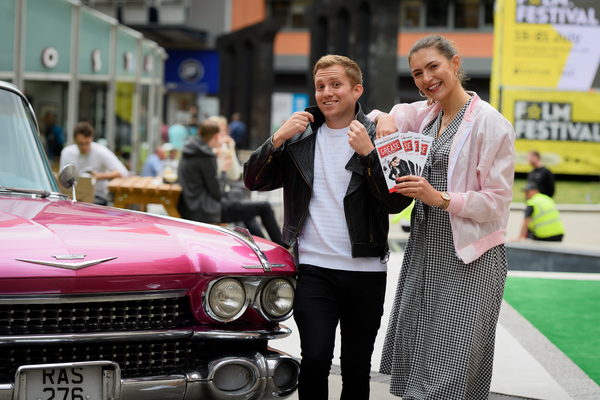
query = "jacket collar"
{"x": 320, "y": 118}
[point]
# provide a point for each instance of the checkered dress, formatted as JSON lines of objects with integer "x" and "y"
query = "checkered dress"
{"x": 440, "y": 339}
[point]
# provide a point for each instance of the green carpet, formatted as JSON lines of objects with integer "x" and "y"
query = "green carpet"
{"x": 567, "y": 312}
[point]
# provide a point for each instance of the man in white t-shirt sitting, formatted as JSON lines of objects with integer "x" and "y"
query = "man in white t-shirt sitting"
{"x": 93, "y": 158}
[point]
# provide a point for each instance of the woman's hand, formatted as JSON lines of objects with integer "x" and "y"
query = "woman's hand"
{"x": 385, "y": 125}
{"x": 419, "y": 188}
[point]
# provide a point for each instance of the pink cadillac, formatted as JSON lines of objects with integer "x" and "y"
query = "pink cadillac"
{"x": 103, "y": 303}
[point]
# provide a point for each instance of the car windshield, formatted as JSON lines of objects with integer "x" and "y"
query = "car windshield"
{"x": 22, "y": 161}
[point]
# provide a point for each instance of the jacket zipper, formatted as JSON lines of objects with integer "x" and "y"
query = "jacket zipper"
{"x": 373, "y": 179}
{"x": 264, "y": 166}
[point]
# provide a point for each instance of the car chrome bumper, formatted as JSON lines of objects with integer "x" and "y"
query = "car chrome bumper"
{"x": 273, "y": 375}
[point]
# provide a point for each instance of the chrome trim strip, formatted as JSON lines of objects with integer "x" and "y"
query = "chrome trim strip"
{"x": 193, "y": 333}
{"x": 161, "y": 386}
{"x": 97, "y": 337}
{"x": 92, "y": 297}
{"x": 72, "y": 266}
{"x": 256, "y": 266}
{"x": 264, "y": 261}
{"x": 278, "y": 332}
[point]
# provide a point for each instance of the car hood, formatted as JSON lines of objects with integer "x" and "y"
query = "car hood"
{"x": 132, "y": 249}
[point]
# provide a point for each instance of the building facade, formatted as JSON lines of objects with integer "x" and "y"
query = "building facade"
{"x": 77, "y": 64}
{"x": 195, "y": 26}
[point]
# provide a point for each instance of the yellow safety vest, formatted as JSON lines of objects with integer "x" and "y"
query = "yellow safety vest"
{"x": 545, "y": 220}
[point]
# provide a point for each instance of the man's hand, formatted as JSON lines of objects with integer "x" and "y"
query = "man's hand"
{"x": 359, "y": 139}
{"x": 297, "y": 123}
{"x": 385, "y": 125}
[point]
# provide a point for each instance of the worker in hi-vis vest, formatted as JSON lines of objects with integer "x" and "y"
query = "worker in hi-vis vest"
{"x": 542, "y": 219}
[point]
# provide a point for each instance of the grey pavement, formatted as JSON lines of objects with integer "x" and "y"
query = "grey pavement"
{"x": 526, "y": 364}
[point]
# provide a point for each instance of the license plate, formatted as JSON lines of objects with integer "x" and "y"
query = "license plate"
{"x": 64, "y": 383}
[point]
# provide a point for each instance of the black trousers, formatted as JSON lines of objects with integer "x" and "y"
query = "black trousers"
{"x": 246, "y": 211}
{"x": 323, "y": 298}
{"x": 555, "y": 238}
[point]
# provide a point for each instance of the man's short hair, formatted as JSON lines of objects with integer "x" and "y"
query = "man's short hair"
{"x": 208, "y": 129}
{"x": 535, "y": 153}
{"x": 84, "y": 128}
{"x": 352, "y": 69}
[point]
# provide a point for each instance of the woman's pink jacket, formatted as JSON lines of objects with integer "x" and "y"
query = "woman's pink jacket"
{"x": 480, "y": 172}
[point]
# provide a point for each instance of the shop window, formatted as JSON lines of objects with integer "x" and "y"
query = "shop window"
{"x": 92, "y": 106}
{"x": 290, "y": 13}
{"x": 466, "y": 14}
{"x": 488, "y": 13}
{"x": 410, "y": 13}
{"x": 279, "y": 10}
{"x": 298, "y": 10}
{"x": 436, "y": 14}
{"x": 124, "y": 121}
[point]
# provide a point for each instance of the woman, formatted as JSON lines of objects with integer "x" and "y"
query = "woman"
{"x": 440, "y": 339}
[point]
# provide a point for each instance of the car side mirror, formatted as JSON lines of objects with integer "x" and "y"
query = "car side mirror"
{"x": 68, "y": 178}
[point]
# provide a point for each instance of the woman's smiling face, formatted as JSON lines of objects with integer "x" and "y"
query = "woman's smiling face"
{"x": 433, "y": 73}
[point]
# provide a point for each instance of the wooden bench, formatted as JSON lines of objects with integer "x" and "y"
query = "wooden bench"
{"x": 145, "y": 190}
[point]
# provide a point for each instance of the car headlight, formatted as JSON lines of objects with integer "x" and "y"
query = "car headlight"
{"x": 227, "y": 299}
{"x": 278, "y": 298}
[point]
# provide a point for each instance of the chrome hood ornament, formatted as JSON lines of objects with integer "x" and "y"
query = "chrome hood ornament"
{"x": 68, "y": 265}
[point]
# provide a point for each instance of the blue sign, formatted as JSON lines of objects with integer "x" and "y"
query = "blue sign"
{"x": 300, "y": 102}
{"x": 192, "y": 71}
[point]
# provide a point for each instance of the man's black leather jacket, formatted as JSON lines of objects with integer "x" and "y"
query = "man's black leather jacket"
{"x": 367, "y": 202}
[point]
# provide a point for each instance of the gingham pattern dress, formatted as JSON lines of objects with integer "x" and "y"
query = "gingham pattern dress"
{"x": 440, "y": 339}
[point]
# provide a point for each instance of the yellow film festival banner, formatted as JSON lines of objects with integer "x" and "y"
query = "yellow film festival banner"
{"x": 546, "y": 80}
{"x": 564, "y": 127}
{"x": 551, "y": 44}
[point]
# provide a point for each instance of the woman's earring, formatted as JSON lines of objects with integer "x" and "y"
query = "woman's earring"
{"x": 421, "y": 93}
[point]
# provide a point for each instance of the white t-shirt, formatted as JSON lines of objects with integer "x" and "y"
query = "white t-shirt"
{"x": 99, "y": 159}
{"x": 324, "y": 239}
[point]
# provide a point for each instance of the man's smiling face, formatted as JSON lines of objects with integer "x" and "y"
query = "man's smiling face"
{"x": 335, "y": 95}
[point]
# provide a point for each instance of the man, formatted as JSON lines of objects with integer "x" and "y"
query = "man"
{"x": 93, "y": 158}
{"x": 154, "y": 163}
{"x": 203, "y": 187}
{"x": 336, "y": 207}
{"x": 542, "y": 219}
{"x": 540, "y": 175}
{"x": 238, "y": 130}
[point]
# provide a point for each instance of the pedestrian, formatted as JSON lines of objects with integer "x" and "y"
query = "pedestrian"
{"x": 542, "y": 218}
{"x": 54, "y": 137}
{"x": 238, "y": 130}
{"x": 93, "y": 158}
{"x": 154, "y": 164}
{"x": 541, "y": 176}
{"x": 227, "y": 149}
{"x": 203, "y": 187}
{"x": 440, "y": 338}
{"x": 336, "y": 210}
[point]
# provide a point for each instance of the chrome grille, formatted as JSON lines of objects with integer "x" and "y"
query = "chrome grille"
{"x": 94, "y": 316}
{"x": 136, "y": 358}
